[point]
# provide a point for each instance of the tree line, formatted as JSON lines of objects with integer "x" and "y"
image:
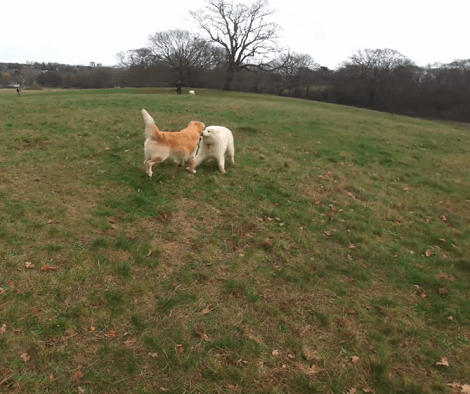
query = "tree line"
{"x": 238, "y": 51}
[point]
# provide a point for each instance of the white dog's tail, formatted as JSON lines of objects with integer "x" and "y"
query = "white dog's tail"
{"x": 150, "y": 127}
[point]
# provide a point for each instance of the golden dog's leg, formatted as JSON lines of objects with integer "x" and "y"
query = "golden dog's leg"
{"x": 151, "y": 163}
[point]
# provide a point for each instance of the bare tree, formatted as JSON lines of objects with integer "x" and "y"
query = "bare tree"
{"x": 142, "y": 57}
{"x": 372, "y": 61}
{"x": 242, "y": 30}
{"x": 294, "y": 71}
{"x": 181, "y": 50}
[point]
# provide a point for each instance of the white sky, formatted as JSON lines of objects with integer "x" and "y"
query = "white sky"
{"x": 85, "y": 31}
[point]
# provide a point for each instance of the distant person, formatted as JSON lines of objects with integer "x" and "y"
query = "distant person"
{"x": 18, "y": 91}
{"x": 178, "y": 87}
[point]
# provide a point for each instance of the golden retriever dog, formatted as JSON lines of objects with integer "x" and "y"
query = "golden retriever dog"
{"x": 161, "y": 145}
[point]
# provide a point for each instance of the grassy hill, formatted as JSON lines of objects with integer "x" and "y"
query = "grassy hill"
{"x": 333, "y": 258}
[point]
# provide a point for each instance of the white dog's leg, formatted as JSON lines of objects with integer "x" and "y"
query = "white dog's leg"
{"x": 221, "y": 160}
{"x": 231, "y": 153}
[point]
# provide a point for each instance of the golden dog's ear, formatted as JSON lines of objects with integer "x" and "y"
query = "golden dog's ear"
{"x": 199, "y": 125}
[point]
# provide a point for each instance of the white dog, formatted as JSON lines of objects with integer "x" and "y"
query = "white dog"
{"x": 192, "y": 92}
{"x": 161, "y": 145}
{"x": 216, "y": 143}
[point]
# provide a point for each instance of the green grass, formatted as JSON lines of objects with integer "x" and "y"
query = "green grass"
{"x": 338, "y": 233}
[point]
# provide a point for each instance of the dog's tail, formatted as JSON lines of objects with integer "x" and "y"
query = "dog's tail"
{"x": 151, "y": 129}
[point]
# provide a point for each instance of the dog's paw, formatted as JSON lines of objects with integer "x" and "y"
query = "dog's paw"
{"x": 189, "y": 170}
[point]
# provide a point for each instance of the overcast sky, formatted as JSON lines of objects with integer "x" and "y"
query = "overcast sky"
{"x": 85, "y": 31}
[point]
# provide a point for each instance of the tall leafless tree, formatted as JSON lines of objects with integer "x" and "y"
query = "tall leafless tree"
{"x": 293, "y": 71}
{"x": 182, "y": 50}
{"x": 242, "y": 30}
{"x": 372, "y": 61}
{"x": 142, "y": 57}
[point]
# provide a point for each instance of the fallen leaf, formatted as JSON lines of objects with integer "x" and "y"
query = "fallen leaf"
{"x": 328, "y": 233}
{"x": 350, "y": 311}
{"x": 466, "y": 388}
{"x": 267, "y": 244}
{"x": 50, "y": 221}
{"x": 313, "y": 370}
{"x": 77, "y": 376}
{"x": 3, "y": 329}
{"x": 282, "y": 224}
{"x": 367, "y": 390}
{"x": 275, "y": 353}
{"x": 108, "y": 148}
{"x": 444, "y": 362}
{"x": 352, "y": 390}
{"x": 110, "y": 334}
{"x": 232, "y": 387}
{"x": 180, "y": 348}
{"x": 355, "y": 360}
{"x": 29, "y": 265}
{"x": 291, "y": 356}
{"x": 153, "y": 355}
{"x": 251, "y": 335}
{"x": 447, "y": 277}
{"x": 11, "y": 284}
{"x": 52, "y": 377}
{"x": 81, "y": 390}
{"x": 423, "y": 294}
{"x": 205, "y": 311}
{"x": 129, "y": 341}
{"x": 443, "y": 218}
{"x": 412, "y": 252}
{"x": 429, "y": 253}
{"x": 352, "y": 246}
{"x": 309, "y": 353}
{"x": 443, "y": 291}
{"x": 92, "y": 329}
{"x": 406, "y": 189}
{"x": 48, "y": 267}
{"x": 24, "y": 356}
{"x": 203, "y": 336}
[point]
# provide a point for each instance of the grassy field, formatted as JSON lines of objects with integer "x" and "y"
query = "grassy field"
{"x": 332, "y": 258}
